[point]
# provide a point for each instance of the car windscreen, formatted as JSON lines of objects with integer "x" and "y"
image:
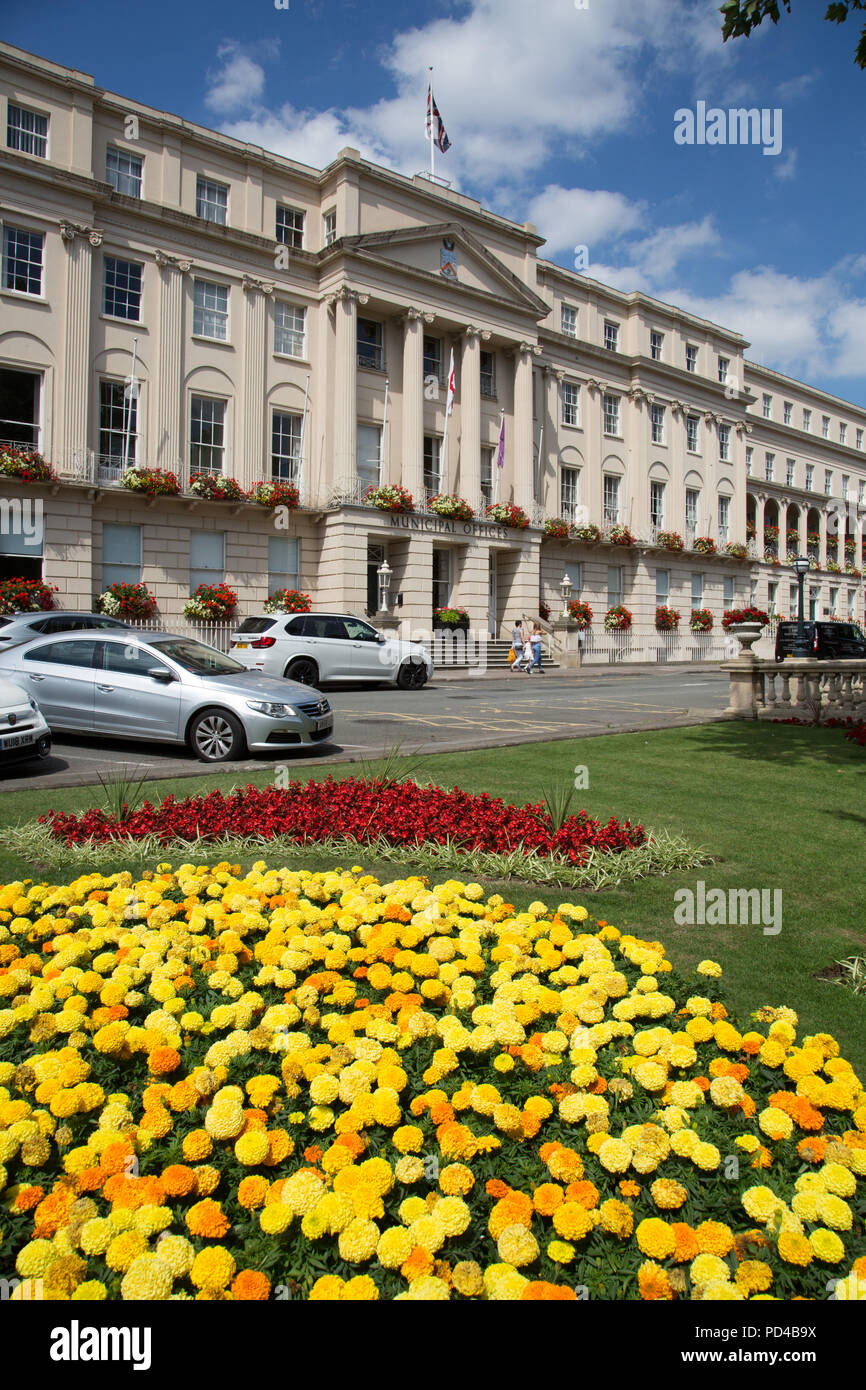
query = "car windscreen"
{"x": 196, "y": 657}
{"x": 256, "y": 624}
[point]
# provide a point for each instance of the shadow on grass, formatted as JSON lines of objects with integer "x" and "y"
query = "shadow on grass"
{"x": 846, "y": 815}
{"x": 790, "y": 744}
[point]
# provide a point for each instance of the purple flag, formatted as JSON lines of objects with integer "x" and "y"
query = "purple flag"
{"x": 500, "y": 455}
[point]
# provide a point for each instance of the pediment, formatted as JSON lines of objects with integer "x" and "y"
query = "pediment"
{"x": 425, "y": 250}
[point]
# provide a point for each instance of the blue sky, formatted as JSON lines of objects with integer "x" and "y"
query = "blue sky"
{"x": 558, "y": 115}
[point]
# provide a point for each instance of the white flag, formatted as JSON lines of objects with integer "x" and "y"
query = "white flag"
{"x": 452, "y": 390}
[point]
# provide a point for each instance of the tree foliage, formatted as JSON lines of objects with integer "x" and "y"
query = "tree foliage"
{"x": 742, "y": 16}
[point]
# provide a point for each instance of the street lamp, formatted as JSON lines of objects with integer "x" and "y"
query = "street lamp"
{"x": 565, "y": 588}
{"x": 800, "y": 646}
{"x": 383, "y": 574}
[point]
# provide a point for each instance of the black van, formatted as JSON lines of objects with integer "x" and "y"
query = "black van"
{"x": 827, "y": 641}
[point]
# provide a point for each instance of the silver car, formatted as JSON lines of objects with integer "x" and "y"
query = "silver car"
{"x": 21, "y": 627}
{"x": 164, "y": 688}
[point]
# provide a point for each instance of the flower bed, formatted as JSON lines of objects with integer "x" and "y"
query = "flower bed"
{"x": 153, "y": 482}
{"x": 288, "y": 601}
{"x": 211, "y": 603}
{"x": 667, "y": 619}
{"x": 127, "y": 601}
{"x": 313, "y": 1086}
{"x": 25, "y": 595}
{"x": 392, "y": 498}
{"x": 450, "y": 617}
{"x": 214, "y": 487}
{"x": 507, "y": 514}
{"x": 732, "y": 616}
{"x": 449, "y": 505}
{"x": 26, "y": 464}
{"x": 398, "y": 813}
{"x": 275, "y": 494}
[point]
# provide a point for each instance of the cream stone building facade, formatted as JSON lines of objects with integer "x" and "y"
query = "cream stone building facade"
{"x": 286, "y": 322}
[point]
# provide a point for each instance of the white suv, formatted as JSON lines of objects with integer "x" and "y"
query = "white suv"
{"x": 316, "y": 648}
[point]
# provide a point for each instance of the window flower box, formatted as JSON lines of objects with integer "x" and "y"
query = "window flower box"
{"x": 620, "y": 535}
{"x": 26, "y": 595}
{"x": 275, "y": 494}
{"x": 211, "y": 603}
{"x": 452, "y": 619}
{"x": 127, "y": 601}
{"x": 617, "y": 619}
{"x": 557, "y": 529}
{"x": 213, "y": 487}
{"x": 670, "y": 540}
{"x": 288, "y": 601}
{"x": 853, "y": 571}
{"x": 736, "y": 550}
{"x": 704, "y": 545}
{"x": 391, "y": 498}
{"x": 507, "y": 514}
{"x": 833, "y": 567}
{"x": 667, "y": 619}
{"x": 152, "y": 482}
{"x": 449, "y": 505}
{"x": 544, "y": 612}
{"x": 701, "y": 620}
{"x": 590, "y": 534}
{"x": 26, "y": 464}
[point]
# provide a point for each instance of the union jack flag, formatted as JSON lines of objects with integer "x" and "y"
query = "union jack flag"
{"x": 439, "y": 136}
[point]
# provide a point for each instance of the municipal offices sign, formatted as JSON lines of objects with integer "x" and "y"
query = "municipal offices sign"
{"x": 482, "y": 530}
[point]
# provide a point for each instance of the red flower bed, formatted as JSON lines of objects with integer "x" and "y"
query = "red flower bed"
{"x": 403, "y": 813}
{"x": 854, "y": 732}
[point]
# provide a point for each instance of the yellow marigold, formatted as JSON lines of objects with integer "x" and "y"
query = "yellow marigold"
{"x": 503, "y": 1283}
{"x": 614, "y": 1155}
{"x": 252, "y": 1148}
{"x": 827, "y": 1246}
{"x": 753, "y": 1276}
{"x": 572, "y": 1221}
{"x": 655, "y": 1238}
{"x": 358, "y": 1241}
{"x": 213, "y": 1268}
{"x": 147, "y": 1279}
{"x": 761, "y": 1203}
{"x": 456, "y": 1180}
{"x": 197, "y": 1145}
{"x": 517, "y": 1246}
{"x": 408, "y": 1139}
{"x": 327, "y": 1289}
{"x": 560, "y": 1252}
{"x": 795, "y": 1249}
{"x": 453, "y": 1215}
{"x": 616, "y": 1218}
{"x": 668, "y": 1195}
{"x": 275, "y": 1218}
{"x": 124, "y": 1249}
{"x": 394, "y": 1247}
{"x": 776, "y": 1124}
{"x": 176, "y": 1253}
{"x": 705, "y": 1269}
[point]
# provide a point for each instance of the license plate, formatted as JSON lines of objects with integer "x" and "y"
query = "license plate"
{"x": 322, "y": 724}
{"x": 16, "y": 740}
{"x": 241, "y": 646}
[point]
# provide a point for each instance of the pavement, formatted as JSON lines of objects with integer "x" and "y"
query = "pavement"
{"x": 454, "y": 713}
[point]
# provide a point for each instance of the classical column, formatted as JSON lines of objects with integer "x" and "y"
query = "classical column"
{"x": 822, "y": 527}
{"x": 252, "y": 467}
{"x": 79, "y": 242}
{"x": 413, "y": 402}
{"x": 345, "y": 395}
{"x": 523, "y": 447}
{"x": 760, "y": 503}
{"x": 169, "y": 436}
{"x": 802, "y": 528}
{"x": 470, "y": 418}
{"x": 548, "y": 486}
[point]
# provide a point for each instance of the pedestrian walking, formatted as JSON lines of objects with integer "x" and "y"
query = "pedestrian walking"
{"x": 535, "y": 641}
{"x": 517, "y": 644}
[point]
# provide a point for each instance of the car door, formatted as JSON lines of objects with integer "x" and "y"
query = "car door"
{"x": 329, "y": 646}
{"x": 367, "y": 651}
{"x": 61, "y": 677}
{"x": 131, "y": 703}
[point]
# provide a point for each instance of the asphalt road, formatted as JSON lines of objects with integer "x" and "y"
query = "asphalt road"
{"x": 448, "y": 715}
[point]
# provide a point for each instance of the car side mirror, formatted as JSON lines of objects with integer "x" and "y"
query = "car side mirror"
{"x": 159, "y": 673}
{"x": 380, "y": 637}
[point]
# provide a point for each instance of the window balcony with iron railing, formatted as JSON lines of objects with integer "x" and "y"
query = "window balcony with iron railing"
{"x": 371, "y": 358}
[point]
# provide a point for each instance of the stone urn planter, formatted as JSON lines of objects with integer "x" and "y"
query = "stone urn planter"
{"x": 747, "y": 635}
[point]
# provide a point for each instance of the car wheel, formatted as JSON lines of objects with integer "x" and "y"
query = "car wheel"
{"x": 305, "y": 671}
{"x": 412, "y": 675}
{"x": 215, "y": 736}
{"x": 43, "y": 746}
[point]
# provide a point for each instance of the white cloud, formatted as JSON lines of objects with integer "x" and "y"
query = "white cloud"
{"x": 786, "y": 167}
{"x": 582, "y": 216}
{"x": 238, "y": 84}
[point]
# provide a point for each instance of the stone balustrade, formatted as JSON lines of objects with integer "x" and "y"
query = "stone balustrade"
{"x": 803, "y": 689}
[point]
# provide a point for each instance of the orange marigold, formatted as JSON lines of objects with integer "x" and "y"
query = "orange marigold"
{"x": 253, "y": 1191}
{"x": 207, "y": 1219}
{"x": 629, "y": 1189}
{"x": 495, "y": 1187}
{"x": 586, "y": 1193}
{"x": 115, "y": 1158}
{"x": 419, "y": 1263}
{"x": 547, "y": 1198}
{"x": 653, "y": 1282}
{"x": 686, "y": 1245}
{"x": 163, "y": 1060}
{"x": 178, "y": 1180}
{"x": 251, "y": 1286}
{"x": 539, "y": 1291}
{"x": 28, "y": 1198}
{"x": 812, "y": 1149}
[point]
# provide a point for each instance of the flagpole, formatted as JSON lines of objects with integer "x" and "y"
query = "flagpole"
{"x": 443, "y": 471}
{"x": 129, "y": 408}
{"x": 430, "y": 104}
{"x": 303, "y": 439}
{"x": 500, "y": 466}
{"x": 384, "y": 427}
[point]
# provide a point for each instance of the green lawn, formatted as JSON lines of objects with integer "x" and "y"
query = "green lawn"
{"x": 780, "y": 806}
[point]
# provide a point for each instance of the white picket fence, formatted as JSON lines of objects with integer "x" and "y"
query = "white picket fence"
{"x": 212, "y": 634}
